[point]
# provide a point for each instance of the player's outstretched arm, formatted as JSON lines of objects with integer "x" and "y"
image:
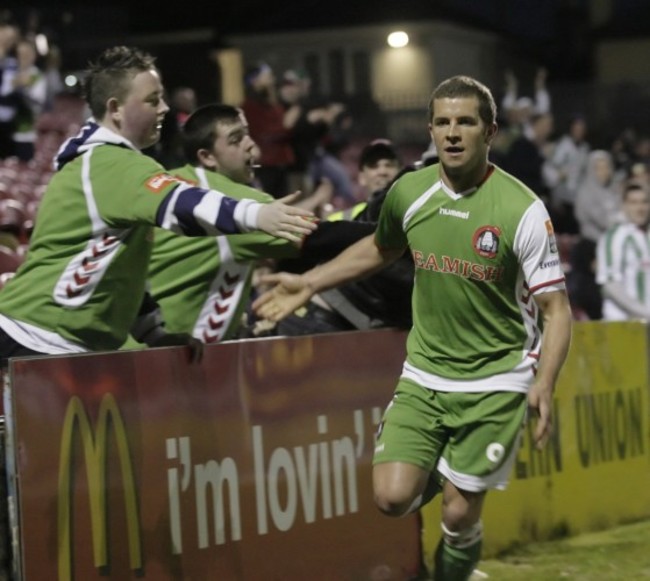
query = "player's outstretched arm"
{"x": 292, "y": 291}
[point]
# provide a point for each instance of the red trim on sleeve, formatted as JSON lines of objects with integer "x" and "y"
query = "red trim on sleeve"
{"x": 549, "y": 283}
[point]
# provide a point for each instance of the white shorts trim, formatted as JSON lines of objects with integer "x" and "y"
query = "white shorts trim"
{"x": 497, "y": 479}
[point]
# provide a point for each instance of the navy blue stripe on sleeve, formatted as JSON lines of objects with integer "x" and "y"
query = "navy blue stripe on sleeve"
{"x": 226, "y": 219}
{"x": 186, "y": 202}
{"x": 194, "y": 211}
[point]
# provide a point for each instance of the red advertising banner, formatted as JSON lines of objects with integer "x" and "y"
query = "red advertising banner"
{"x": 254, "y": 464}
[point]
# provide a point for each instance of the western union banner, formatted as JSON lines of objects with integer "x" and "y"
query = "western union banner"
{"x": 254, "y": 464}
{"x": 595, "y": 471}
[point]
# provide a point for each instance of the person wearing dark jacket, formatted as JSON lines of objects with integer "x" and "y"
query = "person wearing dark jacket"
{"x": 381, "y": 300}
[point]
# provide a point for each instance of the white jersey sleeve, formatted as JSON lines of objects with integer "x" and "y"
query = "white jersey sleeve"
{"x": 536, "y": 248}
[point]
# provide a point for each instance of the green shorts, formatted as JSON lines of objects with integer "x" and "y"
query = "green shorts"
{"x": 470, "y": 438}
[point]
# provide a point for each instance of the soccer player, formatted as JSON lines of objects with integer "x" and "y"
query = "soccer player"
{"x": 82, "y": 286}
{"x": 623, "y": 260}
{"x": 486, "y": 264}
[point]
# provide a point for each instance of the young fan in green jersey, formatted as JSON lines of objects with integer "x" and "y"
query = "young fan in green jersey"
{"x": 486, "y": 265}
{"x": 203, "y": 284}
{"x": 82, "y": 284}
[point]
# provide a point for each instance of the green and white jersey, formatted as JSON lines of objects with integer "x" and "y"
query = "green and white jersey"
{"x": 480, "y": 256}
{"x": 203, "y": 285}
{"x": 83, "y": 281}
{"x": 623, "y": 255}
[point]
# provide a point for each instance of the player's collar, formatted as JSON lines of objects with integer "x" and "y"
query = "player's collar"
{"x": 457, "y": 195}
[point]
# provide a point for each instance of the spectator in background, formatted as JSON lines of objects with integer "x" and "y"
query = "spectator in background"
{"x": 597, "y": 207}
{"x": 9, "y": 35}
{"x": 53, "y": 76}
{"x": 567, "y": 167}
{"x": 527, "y": 157}
{"x": 268, "y": 128}
{"x": 305, "y": 133}
{"x": 598, "y": 199}
{"x": 517, "y": 112}
{"x": 183, "y": 102}
{"x": 313, "y": 122}
{"x": 622, "y": 150}
{"x": 639, "y": 174}
{"x": 640, "y": 152}
{"x": 623, "y": 260}
{"x": 378, "y": 166}
{"x": 30, "y": 94}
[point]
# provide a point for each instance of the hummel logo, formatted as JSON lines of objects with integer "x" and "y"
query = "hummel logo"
{"x": 454, "y": 213}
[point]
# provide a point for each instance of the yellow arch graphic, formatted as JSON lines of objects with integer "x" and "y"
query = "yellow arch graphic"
{"x": 95, "y": 444}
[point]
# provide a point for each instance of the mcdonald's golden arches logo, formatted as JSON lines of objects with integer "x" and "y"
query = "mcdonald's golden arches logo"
{"x": 95, "y": 447}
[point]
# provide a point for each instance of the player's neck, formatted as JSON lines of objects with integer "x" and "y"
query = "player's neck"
{"x": 469, "y": 181}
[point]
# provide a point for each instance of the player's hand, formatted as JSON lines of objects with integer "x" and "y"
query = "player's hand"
{"x": 290, "y": 292}
{"x": 194, "y": 346}
{"x": 282, "y": 220}
{"x": 540, "y": 403}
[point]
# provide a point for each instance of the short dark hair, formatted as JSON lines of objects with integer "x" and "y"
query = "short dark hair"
{"x": 110, "y": 75}
{"x": 463, "y": 86}
{"x": 375, "y": 151}
{"x": 633, "y": 186}
{"x": 199, "y": 130}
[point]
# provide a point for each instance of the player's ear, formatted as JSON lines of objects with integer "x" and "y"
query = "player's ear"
{"x": 490, "y": 132}
{"x": 207, "y": 159}
{"x": 113, "y": 109}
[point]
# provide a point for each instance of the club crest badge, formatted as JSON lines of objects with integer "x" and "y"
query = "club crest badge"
{"x": 486, "y": 241}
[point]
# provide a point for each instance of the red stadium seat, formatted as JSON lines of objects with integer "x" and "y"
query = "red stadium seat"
{"x": 12, "y": 217}
{"x": 9, "y": 260}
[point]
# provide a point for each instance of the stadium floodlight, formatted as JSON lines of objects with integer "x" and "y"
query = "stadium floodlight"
{"x": 398, "y": 39}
